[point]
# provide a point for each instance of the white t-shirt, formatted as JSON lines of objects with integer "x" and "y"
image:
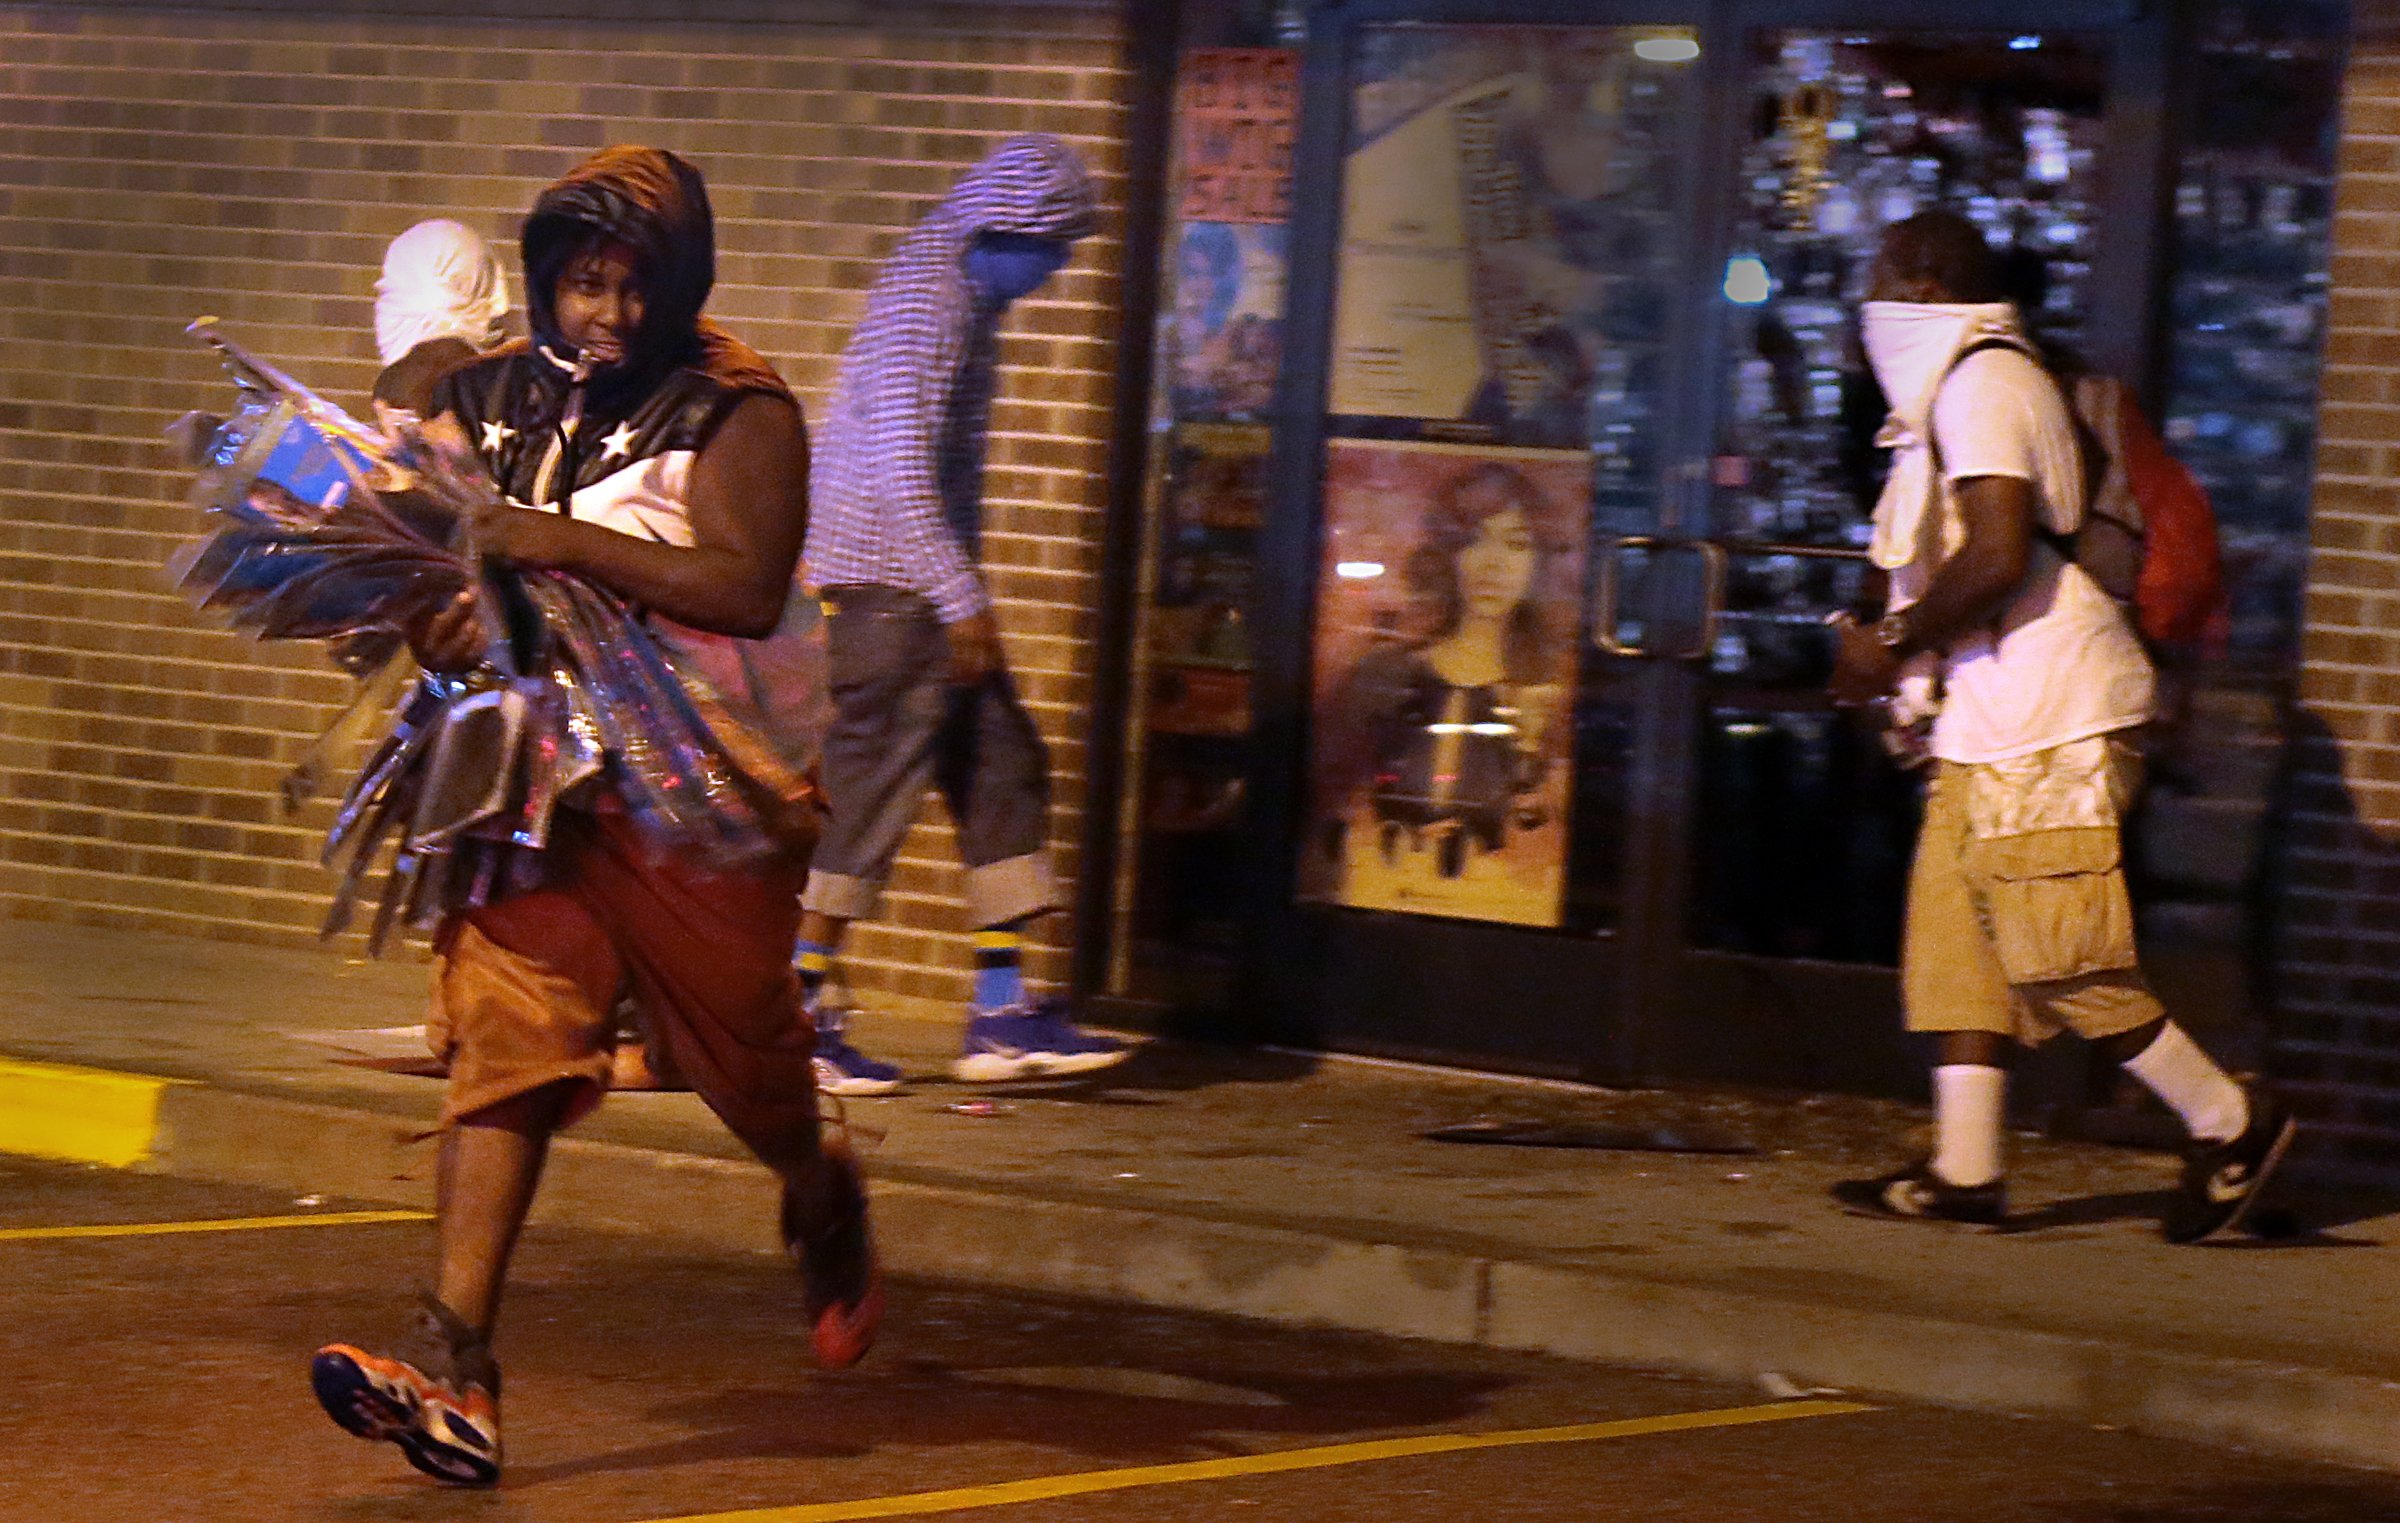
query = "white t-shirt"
{"x": 2067, "y": 664}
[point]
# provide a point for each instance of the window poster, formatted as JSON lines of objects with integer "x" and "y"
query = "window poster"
{"x": 1449, "y": 599}
{"x": 1225, "y": 331}
{"x": 1199, "y": 636}
{"x": 1505, "y": 227}
{"x": 1236, "y": 113}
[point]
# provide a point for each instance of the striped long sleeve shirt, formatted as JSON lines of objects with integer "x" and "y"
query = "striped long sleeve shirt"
{"x": 896, "y": 484}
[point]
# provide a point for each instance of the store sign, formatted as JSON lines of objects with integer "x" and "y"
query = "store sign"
{"x": 1236, "y": 114}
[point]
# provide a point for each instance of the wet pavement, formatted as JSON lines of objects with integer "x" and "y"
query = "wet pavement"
{"x": 1294, "y": 1187}
{"x": 162, "y": 1376}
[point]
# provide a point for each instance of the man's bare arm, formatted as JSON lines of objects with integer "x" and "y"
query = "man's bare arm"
{"x": 1967, "y": 593}
{"x": 1974, "y": 584}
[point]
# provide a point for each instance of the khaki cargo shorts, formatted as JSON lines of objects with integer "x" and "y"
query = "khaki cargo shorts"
{"x": 2019, "y": 922}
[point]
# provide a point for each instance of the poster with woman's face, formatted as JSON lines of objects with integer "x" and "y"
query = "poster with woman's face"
{"x": 1449, "y": 602}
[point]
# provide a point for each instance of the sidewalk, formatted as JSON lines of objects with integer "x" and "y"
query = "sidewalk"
{"x": 1296, "y": 1189}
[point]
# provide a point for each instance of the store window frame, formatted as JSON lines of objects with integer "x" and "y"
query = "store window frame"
{"x": 2139, "y": 152}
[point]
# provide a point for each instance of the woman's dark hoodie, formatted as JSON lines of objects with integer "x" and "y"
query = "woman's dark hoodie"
{"x": 544, "y": 433}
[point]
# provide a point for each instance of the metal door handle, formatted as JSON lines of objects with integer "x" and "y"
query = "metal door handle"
{"x": 1714, "y": 564}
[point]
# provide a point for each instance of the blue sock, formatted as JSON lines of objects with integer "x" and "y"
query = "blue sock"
{"x": 999, "y": 970}
{"x": 812, "y": 960}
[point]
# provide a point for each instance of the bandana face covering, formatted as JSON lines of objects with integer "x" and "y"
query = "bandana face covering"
{"x": 1910, "y": 344}
{"x": 1006, "y": 266}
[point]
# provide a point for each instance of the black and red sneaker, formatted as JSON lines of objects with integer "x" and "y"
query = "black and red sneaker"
{"x": 836, "y": 1259}
{"x": 438, "y": 1398}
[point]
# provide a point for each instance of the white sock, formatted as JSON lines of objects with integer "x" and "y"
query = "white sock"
{"x": 2212, "y": 1106}
{"x": 1968, "y": 1099}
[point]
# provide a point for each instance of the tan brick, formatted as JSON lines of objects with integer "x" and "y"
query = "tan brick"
{"x": 155, "y": 165}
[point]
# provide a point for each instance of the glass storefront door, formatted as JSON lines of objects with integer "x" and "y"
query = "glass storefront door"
{"x": 1571, "y": 460}
{"x": 1506, "y": 274}
{"x": 1511, "y": 234}
{"x": 1803, "y": 824}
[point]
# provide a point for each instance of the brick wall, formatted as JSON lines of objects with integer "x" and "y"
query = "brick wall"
{"x": 251, "y": 161}
{"x": 2338, "y": 1006}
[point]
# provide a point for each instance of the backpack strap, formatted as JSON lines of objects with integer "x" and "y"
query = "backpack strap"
{"x": 2064, "y": 544}
{"x": 1933, "y": 436}
{"x": 2060, "y": 545}
{"x": 2096, "y": 406}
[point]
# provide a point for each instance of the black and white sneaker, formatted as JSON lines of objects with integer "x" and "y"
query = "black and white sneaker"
{"x": 1917, "y": 1194}
{"x": 2222, "y": 1180}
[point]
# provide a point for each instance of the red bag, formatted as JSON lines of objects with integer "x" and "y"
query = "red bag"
{"x": 2150, "y": 536}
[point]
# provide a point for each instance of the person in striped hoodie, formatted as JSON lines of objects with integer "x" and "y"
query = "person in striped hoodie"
{"x": 922, "y": 692}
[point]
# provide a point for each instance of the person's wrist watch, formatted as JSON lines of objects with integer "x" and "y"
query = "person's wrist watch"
{"x": 1892, "y": 632}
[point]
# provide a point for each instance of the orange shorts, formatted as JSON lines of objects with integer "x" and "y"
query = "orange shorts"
{"x": 525, "y": 988}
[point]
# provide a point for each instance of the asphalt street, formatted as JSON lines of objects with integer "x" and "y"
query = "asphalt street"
{"x": 155, "y": 1333}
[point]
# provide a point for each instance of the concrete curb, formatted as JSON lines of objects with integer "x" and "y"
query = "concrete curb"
{"x": 1290, "y": 1276}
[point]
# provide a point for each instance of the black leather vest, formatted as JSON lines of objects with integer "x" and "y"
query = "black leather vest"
{"x": 543, "y": 442}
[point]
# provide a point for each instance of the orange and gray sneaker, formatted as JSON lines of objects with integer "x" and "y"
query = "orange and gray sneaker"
{"x": 836, "y": 1260}
{"x": 438, "y": 1398}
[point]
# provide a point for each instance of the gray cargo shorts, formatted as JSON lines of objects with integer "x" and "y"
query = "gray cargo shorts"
{"x": 899, "y": 724}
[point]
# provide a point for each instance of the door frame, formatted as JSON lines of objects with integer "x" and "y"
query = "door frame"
{"x": 1314, "y": 974}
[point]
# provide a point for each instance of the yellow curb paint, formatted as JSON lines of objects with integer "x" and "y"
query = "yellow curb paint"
{"x": 79, "y": 1115}
{"x": 221, "y": 1224}
{"x": 1046, "y": 1488}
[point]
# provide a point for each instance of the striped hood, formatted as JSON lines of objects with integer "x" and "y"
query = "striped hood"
{"x": 896, "y": 481}
{"x": 1032, "y": 184}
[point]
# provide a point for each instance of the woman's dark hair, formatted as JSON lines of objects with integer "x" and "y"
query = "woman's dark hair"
{"x": 1460, "y": 510}
{"x": 654, "y": 203}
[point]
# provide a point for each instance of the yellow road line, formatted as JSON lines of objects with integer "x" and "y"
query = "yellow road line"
{"x": 219, "y": 1224}
{"x": 80, "y": 1115}
{"x": 1046, "y": 1488}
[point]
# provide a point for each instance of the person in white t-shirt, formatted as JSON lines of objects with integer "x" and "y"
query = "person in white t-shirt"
{"x": 2025, "y": 681}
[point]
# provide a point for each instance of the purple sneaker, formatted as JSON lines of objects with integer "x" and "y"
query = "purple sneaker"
{"x": 841, "y": 1068}
{"x": 1030, "y": 1041}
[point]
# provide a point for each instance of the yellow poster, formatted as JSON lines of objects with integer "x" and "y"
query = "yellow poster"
{"x": 1503, "y": 219}
{"x": 1405, "y": 341}
{"x": 1445, "y": 668}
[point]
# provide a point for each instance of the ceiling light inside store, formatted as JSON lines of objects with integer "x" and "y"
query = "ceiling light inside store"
{"x": 1747, "y": 283}
{"x": 1672, "y": 47}
{"x": 1358, "y": 571}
